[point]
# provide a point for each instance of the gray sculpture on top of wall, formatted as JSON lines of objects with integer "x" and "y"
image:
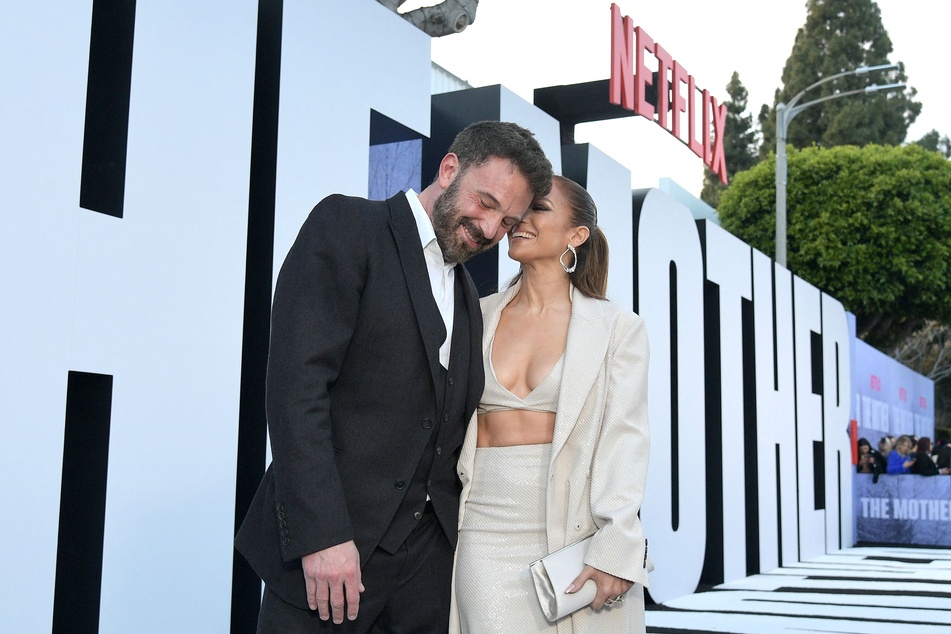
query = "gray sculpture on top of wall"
{"x": 445, "y": 18}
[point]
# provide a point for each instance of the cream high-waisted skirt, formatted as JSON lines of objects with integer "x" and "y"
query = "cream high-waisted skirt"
{"x": 502, "y": 532}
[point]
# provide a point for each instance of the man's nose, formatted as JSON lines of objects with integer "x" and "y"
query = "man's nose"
{"x": 491, "y": 226}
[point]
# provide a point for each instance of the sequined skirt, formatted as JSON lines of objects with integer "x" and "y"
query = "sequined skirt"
{"x": 503, "y": 531}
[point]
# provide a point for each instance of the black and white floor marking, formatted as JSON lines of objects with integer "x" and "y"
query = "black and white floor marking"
{"x": 862, "y": 590}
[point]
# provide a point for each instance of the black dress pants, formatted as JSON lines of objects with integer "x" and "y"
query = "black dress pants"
{"x": 407, "y": 592}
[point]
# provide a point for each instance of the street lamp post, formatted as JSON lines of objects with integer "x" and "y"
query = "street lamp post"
{"x": 784, "y": 114}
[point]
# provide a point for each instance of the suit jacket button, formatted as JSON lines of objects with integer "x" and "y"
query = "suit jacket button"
{"x": 418, "y": 515}
{"x": 438, "y": 451}
{"x": 399, "y": 484}
{"x": 450, "y": 381}
{"x": 427, "y": 423}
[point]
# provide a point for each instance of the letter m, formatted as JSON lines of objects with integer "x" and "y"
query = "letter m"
{"x": 900, "y": 507}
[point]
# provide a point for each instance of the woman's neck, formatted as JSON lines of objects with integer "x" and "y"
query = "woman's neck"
{"x": 544, "y": 288}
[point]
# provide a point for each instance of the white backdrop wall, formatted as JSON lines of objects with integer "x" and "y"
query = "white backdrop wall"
{"x": 728, "y": 267}
{"x": 712, "y": 499}
{"x": 669, "y": 298}
{"x": 776, "y": 438}
{"x": 153, "y": 299}
{"x": 749, "y": 388}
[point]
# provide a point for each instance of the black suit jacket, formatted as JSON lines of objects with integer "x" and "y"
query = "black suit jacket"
{"x": 353, "y": 384}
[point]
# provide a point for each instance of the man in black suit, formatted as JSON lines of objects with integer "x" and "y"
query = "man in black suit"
{"x": 374, "y": 369}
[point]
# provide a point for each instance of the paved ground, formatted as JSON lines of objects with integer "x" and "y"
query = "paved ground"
{"x": 861, "y": 590}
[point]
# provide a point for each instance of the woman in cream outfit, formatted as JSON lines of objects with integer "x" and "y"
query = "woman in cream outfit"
{"x": 559, "y": 448}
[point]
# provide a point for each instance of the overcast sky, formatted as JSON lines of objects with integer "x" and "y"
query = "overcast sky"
{"x": 527, "y": 44}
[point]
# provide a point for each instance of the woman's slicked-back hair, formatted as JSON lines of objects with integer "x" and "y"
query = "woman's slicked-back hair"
{"x": 591, "y": 273}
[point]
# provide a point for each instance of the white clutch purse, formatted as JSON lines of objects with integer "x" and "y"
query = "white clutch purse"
{"x": 554, "y": 572}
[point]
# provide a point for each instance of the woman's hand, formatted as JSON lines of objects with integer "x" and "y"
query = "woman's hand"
{"x": 609, "y": 586}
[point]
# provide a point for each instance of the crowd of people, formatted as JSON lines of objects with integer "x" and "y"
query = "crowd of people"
{"x": 905, "y": 454}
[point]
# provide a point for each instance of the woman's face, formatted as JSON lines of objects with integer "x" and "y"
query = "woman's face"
{"x": 864, "y": 449}
{"x": 545, "y": 231}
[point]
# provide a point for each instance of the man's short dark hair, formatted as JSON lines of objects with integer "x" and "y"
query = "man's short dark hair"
{"x": 481, "y": 141}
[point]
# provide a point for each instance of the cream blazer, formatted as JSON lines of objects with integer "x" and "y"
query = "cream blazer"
{"x": 600, "y": 448}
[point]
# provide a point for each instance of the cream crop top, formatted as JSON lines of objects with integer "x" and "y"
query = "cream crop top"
{"x": 544, "y": 398}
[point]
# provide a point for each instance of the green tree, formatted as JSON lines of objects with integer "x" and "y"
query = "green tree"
{"x": 870, "y": 226}
{"x": 838, "y": 36}
{"x": 935, "y": 142}
{"x": 740, "y": 141}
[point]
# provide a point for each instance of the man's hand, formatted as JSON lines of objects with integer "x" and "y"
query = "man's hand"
{"x": 609, "y": 586}
{"x": 332, "y": 577}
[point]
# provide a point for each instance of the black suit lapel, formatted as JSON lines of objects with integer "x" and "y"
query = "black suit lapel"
{"x": 430, "y": 322}
{"x": 476, "y": 381}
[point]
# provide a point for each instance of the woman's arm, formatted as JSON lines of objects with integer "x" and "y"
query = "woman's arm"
{"x": 619, "y": 462}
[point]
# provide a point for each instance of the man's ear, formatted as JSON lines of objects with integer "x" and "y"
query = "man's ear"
{"x": 448, "y": 170}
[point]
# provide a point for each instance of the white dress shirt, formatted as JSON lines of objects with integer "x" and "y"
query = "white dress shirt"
{"x": 442, "y": 276}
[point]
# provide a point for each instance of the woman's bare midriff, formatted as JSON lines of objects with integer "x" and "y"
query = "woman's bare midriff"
{"x": 507, "y": 428}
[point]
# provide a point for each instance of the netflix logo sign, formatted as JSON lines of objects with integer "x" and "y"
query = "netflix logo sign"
{"x": 678, "y": 96}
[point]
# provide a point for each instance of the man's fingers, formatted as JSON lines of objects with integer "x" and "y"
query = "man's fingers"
{"x": 337, "y": 603}
{"x": 311, "y": 592}
{"x": 322, "y": 599}
{"x": 353, "y": 599}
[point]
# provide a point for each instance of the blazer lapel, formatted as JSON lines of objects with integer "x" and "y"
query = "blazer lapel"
{"x": 493, "y": 312}
{"x": 471, "y": 298}
{"x": 430, "y": 323}
{"x": 588, "y": 338}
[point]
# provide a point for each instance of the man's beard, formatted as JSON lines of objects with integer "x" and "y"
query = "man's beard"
{"x": 446, "y": 221}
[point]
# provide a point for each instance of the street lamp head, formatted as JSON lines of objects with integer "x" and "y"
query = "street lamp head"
{"x": 876, "y": 87}
{"x": 861, "y": 70}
